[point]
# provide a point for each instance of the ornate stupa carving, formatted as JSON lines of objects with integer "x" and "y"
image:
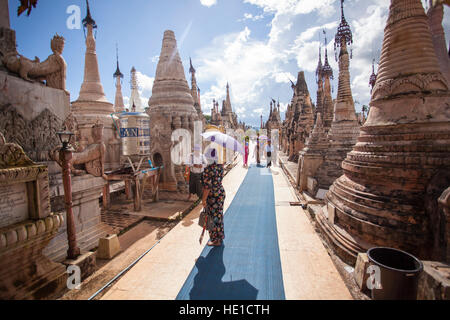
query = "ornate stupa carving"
{"x": 119, "y": 106}
{"x": 92, "y": 104}
{"x": 171, "y": 107}
{"x": 393, "y": 178}
{"x": 345, "y": 128}
{"x": 435, "y": 17}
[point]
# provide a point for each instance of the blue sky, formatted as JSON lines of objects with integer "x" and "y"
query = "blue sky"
{"x": 255, "y": 45}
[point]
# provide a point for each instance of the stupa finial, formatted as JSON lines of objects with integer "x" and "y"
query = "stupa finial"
{"x": 89, "y": 20}
{"x": 373, "y": 77}
{"x": 117, "y": 74}
{"x": 327, "y": 71}
{"x": 344, "y": 36}
{"x": 191, "y": 69}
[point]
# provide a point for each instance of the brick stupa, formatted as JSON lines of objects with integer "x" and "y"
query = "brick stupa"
{"x": 171, "y": 107}
{"x": 401, "y": 163}
{"x": 300, "y": 118}
{"x": 344, "y": 129}
{"x": 92, "y": 104}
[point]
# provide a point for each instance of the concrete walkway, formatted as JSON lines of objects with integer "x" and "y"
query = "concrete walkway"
{"x": 308, "y": 272}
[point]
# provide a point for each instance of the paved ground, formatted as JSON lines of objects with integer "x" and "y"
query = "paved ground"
{"x": 308, "y": 271}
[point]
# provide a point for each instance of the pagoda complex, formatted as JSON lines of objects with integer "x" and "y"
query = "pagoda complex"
{"x": 171, "y": 107}
{"x": 274, "y": 121}
{"x": 92, "y": 104}
{"x": 229, "y": 118}
{"x": 216, "y": 117}
{"x": 344, "y": 128}
{"x": 394, "y": 190}
{"x": 225, "y": 118}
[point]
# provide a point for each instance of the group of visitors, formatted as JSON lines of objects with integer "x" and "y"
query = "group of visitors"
{"x": 268, "y": 150}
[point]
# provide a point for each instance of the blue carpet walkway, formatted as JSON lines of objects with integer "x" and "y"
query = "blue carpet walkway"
{"x": 247, "y": 266}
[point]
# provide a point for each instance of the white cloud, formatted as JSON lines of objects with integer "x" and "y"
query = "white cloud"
{"x": 208, "y": 3}
{"x": 283, "y": 77}
{"x": 145, "y": 82}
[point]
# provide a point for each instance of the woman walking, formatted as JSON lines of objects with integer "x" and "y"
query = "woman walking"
{"x": 247, "y": 141}
{"x": 213, "y": 199}
{"x": 269, "y": 151}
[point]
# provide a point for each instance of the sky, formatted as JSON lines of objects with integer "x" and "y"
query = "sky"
{"x": 255, "y": 45}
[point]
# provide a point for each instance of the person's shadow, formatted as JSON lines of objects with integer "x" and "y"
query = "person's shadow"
{"x": 208, "y": 283}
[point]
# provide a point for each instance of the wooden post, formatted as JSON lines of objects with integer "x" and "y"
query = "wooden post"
{"x": 106, "y": 196}
{"x": 127, "y": 189}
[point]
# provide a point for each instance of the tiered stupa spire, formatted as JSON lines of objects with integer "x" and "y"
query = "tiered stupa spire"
{"x": 135, "y": 99}
{"x": 344, "y": 129}
{"x": 345, "y": 107}
{"x": 195, "y": 91}
{"x": 401, "y": 164}
{"x": 319, "y": 80}
{"x": 118, "y": 102}
{"x": 328, "y": 107}
{"x": 92, "y": 104}
{"x": 92, "y": 88}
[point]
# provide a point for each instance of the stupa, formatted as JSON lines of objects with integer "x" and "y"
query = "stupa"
{"x": 274, "y": 121}
{"x": 216, "y": 117}
{"x": 435, "y": 17}
{"x": 171, "y": 107}
{"x": 344, "y": 129}
{"x": 319, "y": 81}
{"x": 328, "y": 106}
{"x": 301, "y": 118}
{"x": 118, "y": 102}
{"x": 229, "y": 118}
{"x": 92, "y": 104}
{"x": 195, "y": 92}
{"x": 393, "y": 178}
{"x": 135, "y": 99}
{"x": 311, "y": 157}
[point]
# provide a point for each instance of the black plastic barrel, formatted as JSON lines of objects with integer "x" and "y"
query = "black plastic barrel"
{"x": 399, "y": 274}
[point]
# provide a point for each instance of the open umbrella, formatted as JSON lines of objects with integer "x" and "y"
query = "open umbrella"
{"x": 226, "y": 141}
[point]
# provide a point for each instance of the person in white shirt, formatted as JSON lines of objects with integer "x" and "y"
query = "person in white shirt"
{"x": 196, "y": 162}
